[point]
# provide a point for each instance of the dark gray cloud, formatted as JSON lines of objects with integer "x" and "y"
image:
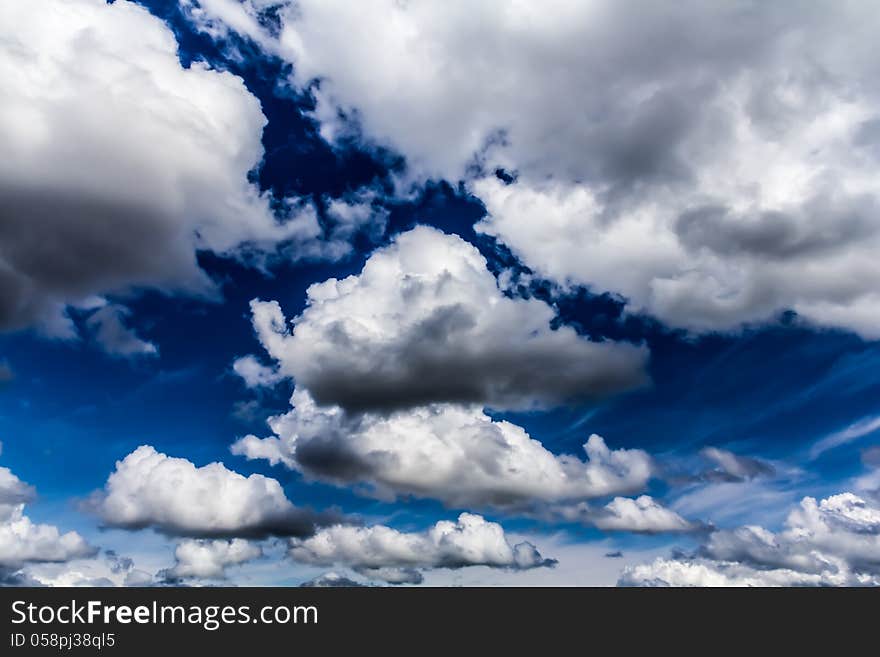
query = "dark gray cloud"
{"x": 821, "y": 227}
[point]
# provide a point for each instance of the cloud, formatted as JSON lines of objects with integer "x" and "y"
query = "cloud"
{"x": 254, "y": 373}
{"x": 455, "y": 454}
{"x": 13, "y": 493}
{"x": 835, "y": 541}
{"x": 712, "y": 184}
{"x": 114, "y": 336}
{"x": 208, "y": 559}
{"x": 105, "y": 569}
{"x": 23, "y": 541}
{"x": 331, "y": 580}
{"x": 425, "y": 322}
{"x": 379, "y": 552}
{"x": 863, "y": 427}
{"x": 642, "y": 514}
{"x": 733, "y": 467}
{"x": 120, "y": 164}
{"x": 172, "y": 495}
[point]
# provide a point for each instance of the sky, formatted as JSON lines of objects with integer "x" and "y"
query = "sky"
{"x": 439, "y": 293}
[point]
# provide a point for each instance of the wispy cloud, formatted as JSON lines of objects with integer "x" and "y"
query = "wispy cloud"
{"x": 852, "y": 433}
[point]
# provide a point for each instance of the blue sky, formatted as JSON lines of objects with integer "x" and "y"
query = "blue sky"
{"x": 764, "y": 383}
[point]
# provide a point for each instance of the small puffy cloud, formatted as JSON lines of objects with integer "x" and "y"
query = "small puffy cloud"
{"x": 643, "y": 515}
{"x": 732, "y": 467}
{"x": 425, "y": 321}
{"x": 835, "y": 541}
{"x": 208, "y": 559}
{"x": 455, "y": 454}
{"x": 254, "y": 373}
{"x": 379, "y": 552}
{"x": 111, "y": 333}
{"x": 23, "y": 541}
{"x": 331, "y": 580}
{"x": 172, "y": 495}
{"x": 13, "y": 493}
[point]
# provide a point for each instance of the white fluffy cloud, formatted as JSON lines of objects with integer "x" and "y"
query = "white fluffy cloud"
{"x": 835, "y": 541}
{"x": 119, "y": 163}
{"x": 642, "y": 514}
{"x": 13, "y": 492}
{"x": 379, "y": 552}
{"x": 254, "y": 373}
{"x": 208, "y": 559}
{"x": 456, "y": 454}
{"x": 425, "y": 322}
{"x": 172, "y": 495}
{"x": 23, "y": 541}
{"x": 713, "y": 163}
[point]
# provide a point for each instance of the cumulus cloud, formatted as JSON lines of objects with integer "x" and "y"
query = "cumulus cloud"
{"x": 732, "y": 467}
{"x": 106, "y": 569}
{"x": 455, "y": 454}
{"x": 642, "y": 514}
{"x": 172, "y": 495}
{"x": 715, "y": 183}
{"x": 13, "y": 492}
{"x": 835, "y": 541}
{"x": 23, "y": 541}
{"x": 114, "y": 337}
{"x": 208, "y": 559}
{"x": 425, "y": 322}
{"x": 379, "y": 552}
{"x": 120, "y": 164}
{"x": 331, "y": 580}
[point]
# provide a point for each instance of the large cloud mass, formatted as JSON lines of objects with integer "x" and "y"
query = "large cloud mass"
{"x": 151, "y": 489}
{"x": 425, "y": 322}
{"x": 456, "y": 454}
{"x": 714, "y": 163}
{"x": 383, "y": 553}
{"x": 118, "y": 163}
